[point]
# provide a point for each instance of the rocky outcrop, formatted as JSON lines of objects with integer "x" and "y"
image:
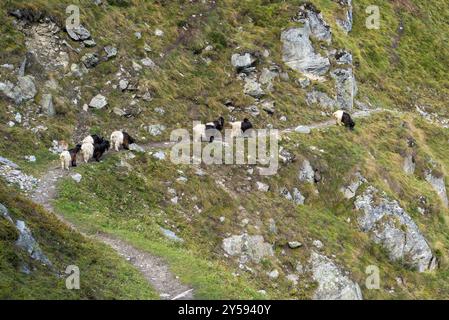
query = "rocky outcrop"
{"x": 306, "y": 172}
{"x": 439, "y": 186}
{"x": 247, "y": 248}
{"x": 26, "y": 240}
{"x": 22, "y": 91}
{"x": 299, "y": 54}
{"x": 252, "y": 87}
{"x": 389, "y": 225}
{"x": 242, "y": 61}
{"x": 346, "y": 88}
{"x": 333, "y": 284}
{"x": 13, "y": 175}
{"x": 313, "y": 19}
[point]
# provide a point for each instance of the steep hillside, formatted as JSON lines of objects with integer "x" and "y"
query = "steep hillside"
{"x": 342, "y": 201}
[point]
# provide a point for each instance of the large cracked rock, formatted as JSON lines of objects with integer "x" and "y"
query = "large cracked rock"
{"x": 247, "y": 248}
{"x": 333, "y": 284}
{"x": 26, "y": 240}
{"x": 389, "y": 225}
{"x": 299, "y": 54}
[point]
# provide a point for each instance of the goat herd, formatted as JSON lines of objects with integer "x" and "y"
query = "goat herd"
{"x": 94, "y": 146}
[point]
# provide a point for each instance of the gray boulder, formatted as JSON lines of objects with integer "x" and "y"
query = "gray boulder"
{"x": 298, "y": 198}
{"x": 242, "y": 61}
{"x": 285, "y": 193}
{"x": 262, "y": 186}
{"x": 253, "y": 88}
{"x": 22, "y": 91}
{"x": 89, "y": 43}
{"x": 147, "y": 62}
{"x": 299, "y": 54}
{"x": 79, "y": 33}
{"x": 90, "y": 60}
{"x": 7, "y": 162}
{"x": 47, "y": 105}
{"x": 389, "y": 225}
{"x": 111, "y": 51}
{"x": 306, "y": 172}
{"x": 98, "y": 102}
{"x": 76, "y": 177}
{"x": 247, "y": 248}
{"x": 333, "y": 284}
{"x": 439, "y": 186}
{"x": 346, "y": 88}
{"x": 303, "y": 129}
{"x": 29, "y": 244}
{"x": 25, "y": 240}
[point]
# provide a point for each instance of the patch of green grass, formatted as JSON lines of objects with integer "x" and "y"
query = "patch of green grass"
{"x": 102, "y": 273}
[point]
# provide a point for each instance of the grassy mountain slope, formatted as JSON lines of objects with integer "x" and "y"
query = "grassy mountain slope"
{"x": 394, "y": 68}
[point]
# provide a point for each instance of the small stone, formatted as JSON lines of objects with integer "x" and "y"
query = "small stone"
{"x": 158, "y": 33}
{"x": 111, "y": 51}
{"x": 156, "y": 129}
{"x": 318, "y": 244}
{"x": 273, "y": 274}
{"x": 123, "y": 84}
{"x": 98, "y": 102}
{"x": 147, "y": 62}
{"x": 171, "y": 235}
{"x": 160, "y": 155}
{"x": 30, "y": 158}
{"x": 90, "y": 60}
{"x": 77, "y": 177}
{"x": 79, "y": 33}
{"x": 138, "y": 35}
{"x": 262, "y": 186}
{"x": 89, "y": 43}
{"x": 303, "y": 129}
{"x": 294, "y": 244}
